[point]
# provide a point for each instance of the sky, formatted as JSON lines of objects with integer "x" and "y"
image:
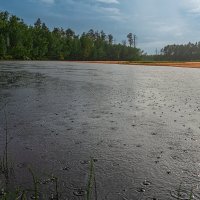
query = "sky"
{"x": 156, "y": 23}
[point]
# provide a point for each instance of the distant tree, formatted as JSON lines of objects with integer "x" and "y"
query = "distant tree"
{"x": 44, "y": 27}
{"x": 103, "y": 35}
{"x": 56, "y": 31}
{"x": 110, "y": 39}
{"x": 86, "y": 46}
{"x": 96, "y": 35}
{"x": 91, "y": 34}
{"x": 130, "y": 39}
{"x": 69, "y": 33}
{"x": 40, "y": 35}
{"x": 124, "y": 42}
{"x": 4, "y": 33}
{"x": 2, "y": 46}
{"x": 38, "y": 23}
{"x": 4, "y": 16}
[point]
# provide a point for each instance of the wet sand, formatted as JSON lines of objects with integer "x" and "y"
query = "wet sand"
{"x": 169, "y": 64}
{"x": 141, "y": 125}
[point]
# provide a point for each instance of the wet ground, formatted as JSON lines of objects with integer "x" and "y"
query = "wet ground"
{"x": 141, "y": 125}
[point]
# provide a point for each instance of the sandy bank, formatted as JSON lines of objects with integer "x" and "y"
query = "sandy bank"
{"x": 170, "y": 64}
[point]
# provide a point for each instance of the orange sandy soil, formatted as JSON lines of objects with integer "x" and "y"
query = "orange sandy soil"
{"x": 171, "y": 64}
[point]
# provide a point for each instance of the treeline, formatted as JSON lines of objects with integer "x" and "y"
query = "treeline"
{"x": 186, "y": 52}
{"x": 182, "y": 52}
{"x": 37, "y": 42}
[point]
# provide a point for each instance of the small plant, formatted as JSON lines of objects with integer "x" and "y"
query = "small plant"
{"x": 18, "y": 194}
{"x": 91, "y": 181}
{"x": 191, "y": 194}
{"x": 179, "y": 191}
{"x": 55, "y": 180}
{"x": 179, "y": 195}
{"x": 35, "y": 183}
{"x": 56, "y": 188}
{"x": 5, "y": 167}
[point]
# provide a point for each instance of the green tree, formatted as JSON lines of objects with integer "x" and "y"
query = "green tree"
{"x": 130, "y": 39}
{"x": 110, "y": 39}
{"x": 19, "y": 41}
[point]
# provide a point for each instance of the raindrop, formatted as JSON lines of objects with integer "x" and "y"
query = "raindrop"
{"x": 145, "y": 182}
{"x": 79, "y": 192}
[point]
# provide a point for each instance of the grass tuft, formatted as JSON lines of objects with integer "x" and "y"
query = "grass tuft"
{"x": 90, "y": 180}
{"x": 35, "y": 183}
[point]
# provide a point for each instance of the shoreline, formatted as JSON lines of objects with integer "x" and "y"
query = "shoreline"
{"x": 163, "y": 64}
{"x": 191, "y": 64}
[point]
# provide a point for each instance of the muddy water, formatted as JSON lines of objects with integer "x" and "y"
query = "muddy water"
{"x": 141, "y": 125}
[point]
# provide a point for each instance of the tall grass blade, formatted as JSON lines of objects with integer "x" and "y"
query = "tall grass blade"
{"x": 35, "y": 182}
{"x": 191, "y": 194}
{"x": 90, "y": 180}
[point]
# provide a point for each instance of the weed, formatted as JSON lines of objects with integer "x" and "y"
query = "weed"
{"x": 17, "y": 194}
{"x": 35, "y": 183}
{"x": 91, "y": 181}
{"x": 55, "y": 180}
{"x": 5, "y": 169}
{"x": 179, "y": 192}
{"x": 191, "y": 194}
{"x": 56, "y": 187}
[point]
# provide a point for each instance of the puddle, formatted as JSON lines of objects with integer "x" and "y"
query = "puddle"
{"x": 140, "y": 124}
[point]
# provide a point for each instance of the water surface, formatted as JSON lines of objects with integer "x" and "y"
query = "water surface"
{"x": 140, "y": 124}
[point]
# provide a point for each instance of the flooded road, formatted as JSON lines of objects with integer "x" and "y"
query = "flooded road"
{"x": 141, "y": 125}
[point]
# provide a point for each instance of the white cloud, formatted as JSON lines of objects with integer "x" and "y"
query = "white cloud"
{"x": 108, "y": 1}
{"x": 193, "y": 6}
{"x": 47, "y": 1}
{"x": 109, "y": 11}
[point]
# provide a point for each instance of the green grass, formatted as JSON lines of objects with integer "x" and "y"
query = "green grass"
{"x": 90, "y": 180}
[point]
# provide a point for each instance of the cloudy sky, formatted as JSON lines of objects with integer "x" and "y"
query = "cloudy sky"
{"x": 155, "y": 22}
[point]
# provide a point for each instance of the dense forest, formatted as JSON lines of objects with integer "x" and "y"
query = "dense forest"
{"x": 175, "y": 52}
{"x": 21, "y": 41}
{"x": 38, "y": 42}
{"x": 187, "y": 52}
